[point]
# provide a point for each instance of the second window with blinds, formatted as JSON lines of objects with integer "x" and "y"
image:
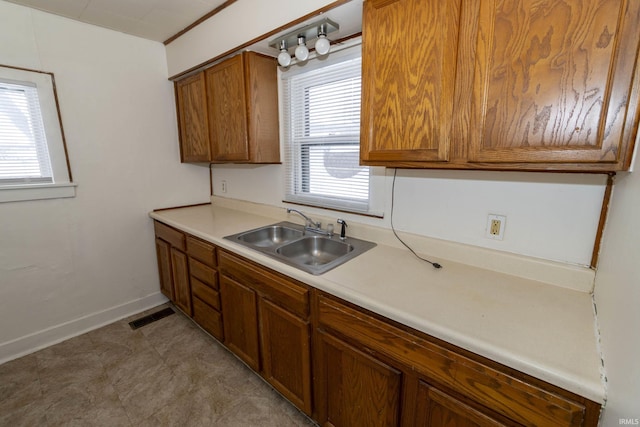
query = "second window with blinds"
{"x": 321, "y": 118}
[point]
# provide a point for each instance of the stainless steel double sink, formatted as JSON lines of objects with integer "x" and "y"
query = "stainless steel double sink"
{"x": 292, "y": 244}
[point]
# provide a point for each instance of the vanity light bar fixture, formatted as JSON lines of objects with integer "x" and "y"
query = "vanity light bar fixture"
{"x": 299, "y": 38}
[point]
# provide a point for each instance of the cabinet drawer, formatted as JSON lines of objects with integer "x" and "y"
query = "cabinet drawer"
{"x": 497, "y": 390}
{"x": 208, "y": 318}
{"x": 205, "y": 293}
{"x": 202, "y": 251}
{"x": 202, "y": 272}
{"x": 168, "y": 234}
{"x": 275, "y": 287}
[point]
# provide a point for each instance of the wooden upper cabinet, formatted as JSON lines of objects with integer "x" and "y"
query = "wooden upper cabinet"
{"x": 552, "y": 82}
{"x": 408, "y": 79}
{"x": 191, "y": 99}
{"x": 242, "y": 100}
{"x": 227, "y": 104}
{"x": 497, "y": 84}
{"x": 229, "y": 113}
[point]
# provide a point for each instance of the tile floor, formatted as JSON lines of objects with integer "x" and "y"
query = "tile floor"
{"x": 167, "y": 373}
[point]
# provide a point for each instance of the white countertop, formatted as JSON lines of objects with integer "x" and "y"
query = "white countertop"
{"x": 543, "y": 330}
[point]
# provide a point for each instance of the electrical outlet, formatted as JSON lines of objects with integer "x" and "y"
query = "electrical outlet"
{"x": 223, "y": 185}
{"x": 495, "y": 226}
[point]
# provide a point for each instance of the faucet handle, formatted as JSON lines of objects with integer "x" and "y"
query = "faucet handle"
{"x": 330, "y": 229}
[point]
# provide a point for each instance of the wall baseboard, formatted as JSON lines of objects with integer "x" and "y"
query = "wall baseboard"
{"x": 36, "y": 341}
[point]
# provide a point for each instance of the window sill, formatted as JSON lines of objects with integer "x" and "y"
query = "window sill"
{"x": 372, "y": 214}
{"x": 20, "y": 193}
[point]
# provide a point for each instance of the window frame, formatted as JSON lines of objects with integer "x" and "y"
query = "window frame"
{"x": 62, "y": 185}
{"x": 292, "y": 150}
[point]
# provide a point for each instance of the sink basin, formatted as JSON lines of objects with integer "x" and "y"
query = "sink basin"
{"x": 272, "y": 235}
{"x": 315, "y": 250}
{"x": 293, "y": 245}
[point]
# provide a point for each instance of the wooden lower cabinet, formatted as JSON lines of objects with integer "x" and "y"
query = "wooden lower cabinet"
{"x": 239, "y": 305}
{"x": 163, "y": 250}
{"x": 173, "y": 266}
{"x": 435, "y": 407}
{"x": 266, "y": 323}
{"x": 372, "y": 371}
{"x": 208, "y": 318}
{"x": 346, "y": 366}
{"x": 286, "y": 353}
{"x": 205, "y": 295}
{"x": 182, "y": 288}
{"x": 355, "y": 389}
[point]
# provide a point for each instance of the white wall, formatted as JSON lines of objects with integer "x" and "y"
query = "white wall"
{"x": 549, "y": 216}
{"x": 233, "y": 26}
{"x": 69, "y": 264}
{"x": 617, "y": 296}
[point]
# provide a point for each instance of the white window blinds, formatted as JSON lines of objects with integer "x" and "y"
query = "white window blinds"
{"x": 321, "y": 111}
{"x": 24, "y": 157}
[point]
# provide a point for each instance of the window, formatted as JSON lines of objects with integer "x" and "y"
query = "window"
{"x": 33, "y": 162}
{"x": 321, "y": 114}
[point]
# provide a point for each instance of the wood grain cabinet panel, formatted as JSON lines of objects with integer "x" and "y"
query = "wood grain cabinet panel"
{"x": 163, "y": 250}
{"x": 409, "y": 67}
{"x": 173, "y": 266}
{"x": 437, "y": 408}
{"x": 228, "y": 113}
{"x": 203, "y": 273}
{"x": 358, "y": 390}
{"x": 207, "y": 317}
{"x": 258, "y": 302}
{"x": 181, "y": 285}
{"x": 191, "y": 100}
{"x": 493, "y": 84}
{"x": 170, "y": 235}
{"x": 205, "y": 293}
{"x": 502, "y": 395}
{"x": 276, "y": 287}
{"x": 240, "y": 311}
{"x": 286, "y": 353}
{"x": 203, "y": 251}
{"x": 227, "y": 106}
{"x": 205, "y": 298}
{"x": 552, "y": 80}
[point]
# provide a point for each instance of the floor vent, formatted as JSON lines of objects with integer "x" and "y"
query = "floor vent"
{"x": 151, "y": 318}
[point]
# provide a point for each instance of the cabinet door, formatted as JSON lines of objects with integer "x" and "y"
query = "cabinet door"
{"x": 228, "y": 110}
{"x": 409, "y": 67}
{"x": 181, "y": 287}
{"x": 435, "y": 408}
{"x": 191, "y": 100}
{"x": 163, "y": 250}
{"x": 261, "y": 74}
{"x": 240, "y": 311}
{"x": 552, "y": 80}
{"x": 285, "y": 354}
{"x": 358, "y": 390}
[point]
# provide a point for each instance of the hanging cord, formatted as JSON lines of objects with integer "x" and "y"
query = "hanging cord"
{"x": 393, "y": 195}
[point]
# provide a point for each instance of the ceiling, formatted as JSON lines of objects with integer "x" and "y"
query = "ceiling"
{"x": 159, "y": 20}
{"x": 150, "y": 19}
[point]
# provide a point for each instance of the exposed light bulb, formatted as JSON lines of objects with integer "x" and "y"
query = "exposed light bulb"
{"x": 284, "y": 58}
{"x": 322, "y": 45}
{"x": 302, "y": 53}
